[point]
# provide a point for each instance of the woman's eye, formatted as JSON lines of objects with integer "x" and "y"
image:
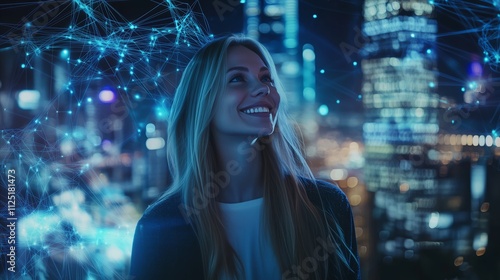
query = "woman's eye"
{"x": 267, "y": 79}
{"x": 236, "y": 79}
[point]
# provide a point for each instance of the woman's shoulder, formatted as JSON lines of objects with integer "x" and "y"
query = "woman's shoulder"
{"x": 165, "y": 211}
{"x": 324, "y": 189}
{"x": 323, "y": 193}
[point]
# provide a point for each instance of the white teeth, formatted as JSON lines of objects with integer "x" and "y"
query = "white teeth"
{"x": 256, "y": 110}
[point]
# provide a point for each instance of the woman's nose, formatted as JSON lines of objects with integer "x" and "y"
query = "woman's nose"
{"x": 260, "y": 89}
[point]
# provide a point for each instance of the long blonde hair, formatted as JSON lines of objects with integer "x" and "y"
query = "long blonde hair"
{"x": 294, "y": 223}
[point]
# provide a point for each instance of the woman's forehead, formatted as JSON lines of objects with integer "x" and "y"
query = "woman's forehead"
{"x": 241, "y": 55}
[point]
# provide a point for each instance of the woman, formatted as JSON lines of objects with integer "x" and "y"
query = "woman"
{"x": 243, "y": 203}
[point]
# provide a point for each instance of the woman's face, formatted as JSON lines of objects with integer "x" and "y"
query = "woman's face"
{"x": 249, "y": 103}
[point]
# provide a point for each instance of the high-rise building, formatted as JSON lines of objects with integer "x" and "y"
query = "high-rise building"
{"x": 431, "y": 210}
{"x": 412, "y": 215}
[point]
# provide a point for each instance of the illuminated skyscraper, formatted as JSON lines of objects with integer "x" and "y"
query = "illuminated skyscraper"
{"x": 429, "y": 164}
{"x": 413, "y": 215}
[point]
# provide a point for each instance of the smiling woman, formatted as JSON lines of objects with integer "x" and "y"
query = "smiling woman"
{"x": 243, "y": 203}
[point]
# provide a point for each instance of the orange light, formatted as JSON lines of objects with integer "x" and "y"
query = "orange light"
{"x": 485, "y": 207}
{"x": 480, "y": 251}
{"x": 404, "y": 187}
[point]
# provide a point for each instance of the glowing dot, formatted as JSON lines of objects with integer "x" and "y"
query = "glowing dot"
{"x": 412, "y": 35}
{"x": 429, "y": 51}
{"x": 352, "y": 182}
{"x": 23, "y": 65}
{"x": 137, "y": 96}
{"x": 359, "y": 96}
{"x": 462, "y": 89}
{"x": 308, "y": 55}
{"x": 106, "y": 96}
{"x": 432, "y": 84}
{"x": 322, "y": 71}
{"x": 459, "y": 261}
{"x": 338, "y": 174}
{"x": 355, "y": 63}
{"x": 28, "y": 99}
{"x": 355, "y": 200}
{"x": 323, "y": 110}
{"x": 155, "y": 143}
{"x": 338, "y": 101}
{"x": 485, "y": 207}
{"x": 315, "y": 16}
{"x": 150, "y": 130}
{"x": 64, "y": 53}
{"x": 404, "y": 187}
{"x": 489, "y": 141}
{"x": 480, "y": 251}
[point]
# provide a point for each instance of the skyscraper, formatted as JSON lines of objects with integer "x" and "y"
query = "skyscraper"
{"x": 401, "y": 130}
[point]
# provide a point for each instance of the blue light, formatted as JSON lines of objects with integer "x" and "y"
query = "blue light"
{"x": 355, "y": 63}
{"x": 28, "y": 99}
{"x": 323, "y": 110}
{"x": 65, "y": 53}
{"x": 322, "y": 71}
{"x": 338, "y": 101}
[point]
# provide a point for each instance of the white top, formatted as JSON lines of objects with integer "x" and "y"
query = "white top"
{"x": 243, "y": 223}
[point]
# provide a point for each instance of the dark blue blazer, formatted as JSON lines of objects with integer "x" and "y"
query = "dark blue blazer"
{"x": 165, "y": 245}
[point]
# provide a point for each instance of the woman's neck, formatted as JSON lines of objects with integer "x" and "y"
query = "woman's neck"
{"x": 240, "y": 175}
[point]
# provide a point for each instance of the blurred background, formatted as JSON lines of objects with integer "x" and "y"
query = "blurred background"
{"x": 397, "y": 102}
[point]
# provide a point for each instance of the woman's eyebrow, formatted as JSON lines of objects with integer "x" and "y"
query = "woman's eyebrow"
{"x": 242, "y": 68}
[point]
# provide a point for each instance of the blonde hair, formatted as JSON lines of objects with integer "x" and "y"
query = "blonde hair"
{"x": 293, "y": 221}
